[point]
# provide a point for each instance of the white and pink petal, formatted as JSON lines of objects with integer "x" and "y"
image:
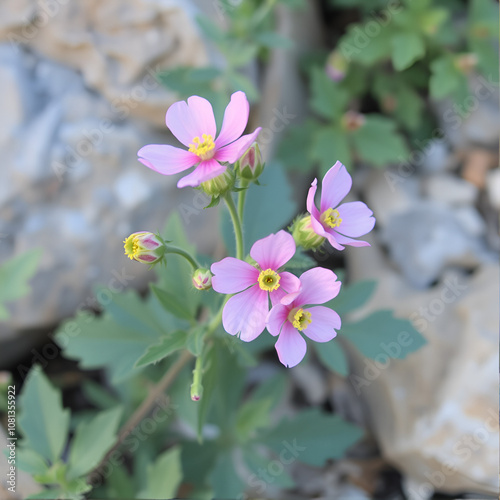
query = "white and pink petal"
{"x": 233, "y": 275}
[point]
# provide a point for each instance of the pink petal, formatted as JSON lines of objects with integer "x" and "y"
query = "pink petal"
{"x": 318, "y": 285}
{"x": 166, "y": 160}
{"x": 203, "y": 115}
{"x": 274, "y": 250}
{"x": 344, "y": 240}
{"x": 275, "y": 319}
{"x": 324, "y": 322}
{"x": 233, "y": 275}
{"x": 356, "y": 219}
{"x": 235, "y": 119}
{"x": 291, "y": 346}
{"x": 336, "y": 184}
{"x": 246, "y": 313}
{"x": 235, "y": 150}
{"x": 311, "y": 207}
{"x": 319, "y": 229}
{"x": 332, "y": 237}
{"x": 180, "y": 121}
{"x": 205, "y": 171}
{"x": 288, "y": 283}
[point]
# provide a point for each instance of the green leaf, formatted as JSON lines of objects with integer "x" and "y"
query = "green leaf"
{"x": 43, "y": 421}
{"x": 93, "y": 438}
{"x": 211, "y": 30}
{"x": 331, "y": 144}
{"x": 30, "y": 461}
{"x": 168, "y": 345}
{"x": 328, "y": 99}
{"x": 333, "y": 357}
{"x": 224, "y": 479}
{"x": 172, "y": 303}
{"x": 49, "y": 494}
{"x": 409, "y": 107}
{"x": 445, "y": 77}
{"x": 252, "y": 415}
{"x": 164, "y": 476}
{"x": 258, "y": 463}
{"x": 175, "y": 278}
{"x": 381, "y": 333}
{"x": 272, "y": 39}
{"x": 406, "y": 49}
{"x": 101, "y": 341}
{"x": 273, "y": 389}
{"x": 311, "y": 437}
{"x": 198, "y": 460}
{"x": 377, "y": 141}
{"x": 294, "y": 150}
{"x": 239, "y": 53}
{"x": 267, "y": 209}
{"x": 353, "y": 296}
{"x": 14, "y": 276}
{"x": 241, "y": 82}
{"x": 194, "y": 340}
{"x": 300, "y": 263}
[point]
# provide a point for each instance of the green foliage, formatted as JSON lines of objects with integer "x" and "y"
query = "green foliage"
{"x": 164, "y": 476}
{"x": 43, "y": 421}
{"x": 14, "y": 276}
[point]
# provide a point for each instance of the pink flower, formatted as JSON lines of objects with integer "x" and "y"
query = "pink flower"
{"x": 339, "y": 223}
{"x": 193, "y": 124}
{"x": 246, "y": 312}
{"x": 290, "y": 318}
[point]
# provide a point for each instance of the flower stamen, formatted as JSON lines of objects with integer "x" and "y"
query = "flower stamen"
{"x": 299, "y": 318}
{"x": 204, "y": 147}
{"x": 331, "y": 218}
{"x": 269, "y": 280}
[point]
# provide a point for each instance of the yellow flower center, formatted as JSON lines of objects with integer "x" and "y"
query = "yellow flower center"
{"x": 299, "y": 318}
{"x": 331, "y": 218}
{"x": 204, "y": 147}
{"x": 269, "y": 280}
{"x": 131, "y": 246}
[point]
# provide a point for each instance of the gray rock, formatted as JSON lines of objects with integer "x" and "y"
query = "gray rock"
{"x": 450, "y": 189}
{"x": 425, "y": 239}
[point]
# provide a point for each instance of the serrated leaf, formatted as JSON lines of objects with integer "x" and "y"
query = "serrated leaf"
{"x": 311, "y": 437}
{"x": 44, "y": 422}
{"x": 31, "y": 461}
{"x": 378, "y": 142}
{"x": 382, "y": 333}
{"x": 172, "y": 303}
{"x": 406, "y": 49}
{"x": 164, "y": 476}
{"x": 194, "y": 340}
{"x": 92, "y": 439}
{"x": 257, "y": 463}
{"x": 332, "y": 356}
{"x": 300, "y": 263}
{"x": 168, "y": 345}
{"x": 14, "y": 276}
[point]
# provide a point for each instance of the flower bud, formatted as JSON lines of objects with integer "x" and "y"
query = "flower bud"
{"x": 304, "y": 235}
{"x": 352, "y": 121}
{"x": 220, "y": 184}
{"x": 250, "y": 165}
{"x": 336, "y": 66}
{"x": 144, "y": 247}
{"x": 202, "y": 279}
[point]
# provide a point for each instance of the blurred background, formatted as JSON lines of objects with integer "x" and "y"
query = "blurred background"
{"x": 404, "y": 93}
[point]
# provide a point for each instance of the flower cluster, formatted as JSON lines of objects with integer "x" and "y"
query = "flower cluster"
{"x": 263, "y": 294}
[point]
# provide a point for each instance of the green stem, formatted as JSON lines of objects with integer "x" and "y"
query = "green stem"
{"x": 187, "y": 256}
{"x": 236, "y": 224}
{"x": 241, "y": 199}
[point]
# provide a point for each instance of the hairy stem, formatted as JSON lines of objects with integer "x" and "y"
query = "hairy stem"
{"x": 183, "y": 253}
{"x": 236, "y": 224}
